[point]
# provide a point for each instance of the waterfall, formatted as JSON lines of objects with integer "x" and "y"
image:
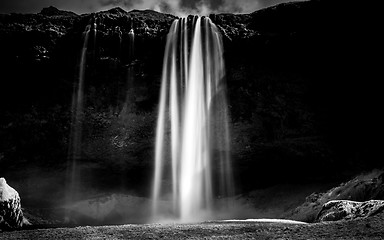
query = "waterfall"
{"x": 74, "y": 152}
{"x": 130, "y": 73}
{"x": 192, "y": 136}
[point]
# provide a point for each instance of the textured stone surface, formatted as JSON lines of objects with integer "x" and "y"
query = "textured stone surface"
{"x": 347, "y": 210}
{"x": 361, "y": 188}
{"x": 11, "y": 215}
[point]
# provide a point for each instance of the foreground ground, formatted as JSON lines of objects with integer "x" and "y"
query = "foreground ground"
{"x": 371, "y": 228}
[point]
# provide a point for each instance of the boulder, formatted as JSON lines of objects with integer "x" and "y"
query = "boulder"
{"x": 11, "y": 215}
{"x": 347, "y": 210}
{"x": 362, "y": 188}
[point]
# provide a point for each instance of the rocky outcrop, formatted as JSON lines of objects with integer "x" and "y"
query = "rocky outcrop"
{"x": 344, "y": 200}
{"x": 146, "y": 23}
{"x": 347, "y": 210}
{"x": 52, "y": 11}
{"x": 11, "y": 216}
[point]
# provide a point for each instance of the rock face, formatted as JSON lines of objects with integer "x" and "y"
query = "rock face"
{"x": 347, "y": 210}
{"x": 11, "y": 216}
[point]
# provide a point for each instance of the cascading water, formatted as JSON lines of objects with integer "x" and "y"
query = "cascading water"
{"x": 74, "y": 153}
{"x": 193, "y": 95}
{"x": 130, "y": 72}
{"x": 131, "y": 34}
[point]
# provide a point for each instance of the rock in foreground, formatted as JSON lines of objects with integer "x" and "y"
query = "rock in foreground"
{"x": 362, "y": 188}
{"x": 347, "y": 210}
{"x": 11, "y": 216}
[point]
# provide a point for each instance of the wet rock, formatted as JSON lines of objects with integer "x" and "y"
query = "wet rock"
{"x": 146, "y": 23}
{"x": 362, "y": 188}
{"x": 11, "y": 215}
{"x": 347, "y": 210}
{"x": 41, "y": 53}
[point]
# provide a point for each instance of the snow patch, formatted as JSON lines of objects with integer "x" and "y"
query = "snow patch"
{"x": 345, "y": 209}
{"x": 267, "y": 220}
{"x": 7, "y": 192}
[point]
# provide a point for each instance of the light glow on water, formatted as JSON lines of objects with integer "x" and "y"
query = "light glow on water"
{"x": 193, "y": 97}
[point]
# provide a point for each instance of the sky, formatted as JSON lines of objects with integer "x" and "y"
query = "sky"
{"x": 177, "y": 7}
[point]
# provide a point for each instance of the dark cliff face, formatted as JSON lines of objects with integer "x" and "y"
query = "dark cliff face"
{"x": 299, "y": 109}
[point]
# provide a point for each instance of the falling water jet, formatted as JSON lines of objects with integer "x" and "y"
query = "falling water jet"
{"x": 117, "y": 32}
{"x": 193, "y": 95}
{"x": 130, "y": 73}
{"x": 74, "y": 152}
{"x": 126, "y": 108}
{"x": 131, "y": 49}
